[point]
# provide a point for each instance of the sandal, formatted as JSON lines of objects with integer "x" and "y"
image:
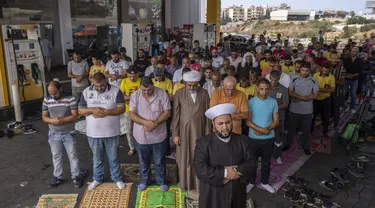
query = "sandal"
{"x": 328, "y": 185}
{"x": 357, "y": 174}
{"x": 296, "y": 182}
{"x": 131, "y": 152}
{"x": 362, "y": 158}
{"x": 339, "y": 175}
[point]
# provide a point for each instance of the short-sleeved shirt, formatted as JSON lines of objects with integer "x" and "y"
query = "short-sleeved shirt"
{"x": 287, "y": 69}
{"x": 150, "y": 110}
{"x": 60, "y": 108}
{"x": 177, "y": 76}
{"x": 217, "y": 62}
{"x": 177, "y": 86}
{"x": 262, "y": 115}
{"x": 111, "y": 98}
{"x": 324, "y": 82}
{"x": 79, "y": 69}
{"x": 281, "y": 95}
{"x": 128, "y": 87}
{"x": 118, "y": 68}
{"x": 165, "y": 85}
{"x": 264, "y": 65}
{"x": 284, "y": 79}
{"x": 239, "y": 99}
{"x": 303, "y": 87}
{"x": 96, "y": 69}
{"x": 249, "y": 91}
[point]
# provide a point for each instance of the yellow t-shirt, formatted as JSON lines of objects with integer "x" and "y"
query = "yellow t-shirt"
{"x": 127, "y": 87}
{"x": 264, "y": 65}
{"x": 94, "y": 69}
{"x": 324, "y": 82}
{"x": 178, "y": 86}
{"x": 287, "y": 69}
{"x": 166, "y": 85}
{"x": 249, "y": 91}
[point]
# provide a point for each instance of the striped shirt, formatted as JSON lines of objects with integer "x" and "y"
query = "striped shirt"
{"x": 60, "y": 108}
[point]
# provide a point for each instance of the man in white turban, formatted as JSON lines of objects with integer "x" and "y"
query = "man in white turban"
{"x": 222, "y": 162}
{"x": 189, "y": 124}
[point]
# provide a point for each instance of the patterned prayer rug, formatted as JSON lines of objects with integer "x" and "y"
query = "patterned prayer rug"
{"x": 57, "y": 201}
{"x": 152, "y": 197}
{"x": 106, "y": 195}
{"x": 292, "y": 159}
{"x": 130, "y": 173}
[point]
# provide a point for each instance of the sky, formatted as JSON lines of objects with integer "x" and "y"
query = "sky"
{"x": 346, "y": 5}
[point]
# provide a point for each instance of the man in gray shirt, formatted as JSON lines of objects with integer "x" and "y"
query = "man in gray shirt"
{"x": 60, "y": 112}
{"x": 302, "y": 90}
{"x": 280, "y": 94}
{"x": 78, "y": 71}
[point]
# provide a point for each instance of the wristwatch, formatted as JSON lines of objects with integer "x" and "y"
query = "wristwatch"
{"x": 235, "y": 169}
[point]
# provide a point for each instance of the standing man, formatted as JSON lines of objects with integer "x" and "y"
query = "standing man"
{"x": 128, "y": 86}
{"x": 280, "y": 94}
{"x": 46, "y": 49}
{"x": 229, "y": 94}
{"x": 142, "y": 62}
{"x": 217, "y": 61}
{"x": 116, "y": 69}
{"x": 222, "y": 162}
{"x": 78, "y": 71}
{"x": 354, "y": 68}
{"x": 322, "y": 104}
{"x": 60, "y": 112}
{"x": 263, "y": 119}
{"x": 284, "y": 77}
{"x": 214, "y": 83}
{"x": 102, "y": 104}
{"x": 189, "y": 124}
{"x": 302, "y": 91}
{"x": 149, "y": 109}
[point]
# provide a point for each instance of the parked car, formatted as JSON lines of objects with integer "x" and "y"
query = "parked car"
{"x": 240, "y": 41}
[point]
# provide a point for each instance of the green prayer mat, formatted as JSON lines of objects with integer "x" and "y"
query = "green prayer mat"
{"x": 152, "y": 197}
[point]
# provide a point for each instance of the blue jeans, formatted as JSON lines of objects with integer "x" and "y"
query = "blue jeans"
{"x": 353, "y": 84}
{"x": 99, "y": 146}
{"x": 157, "y": 152}
{"x": 56, "y": 141}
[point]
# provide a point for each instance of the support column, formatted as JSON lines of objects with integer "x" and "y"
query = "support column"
{"x": 65, "y": 22}
{"x": 213, "y": 15}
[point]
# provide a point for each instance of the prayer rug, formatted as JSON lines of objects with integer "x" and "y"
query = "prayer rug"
{"x": 131, "y": 174}
{"x": 106, "y": 195}
{"x": 57, "y": 201}
{"x": 319, "y": 143}
{"x": 292, "y": 159}
{"x": 152, "y": 197}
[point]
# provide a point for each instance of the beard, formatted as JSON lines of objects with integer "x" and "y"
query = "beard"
{"x": 224, "y": 134}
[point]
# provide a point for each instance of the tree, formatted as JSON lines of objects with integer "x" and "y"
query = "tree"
{"x": 357, "y": 20}
{"x": 225, "y": 19}
{"x": 352, "y": 13}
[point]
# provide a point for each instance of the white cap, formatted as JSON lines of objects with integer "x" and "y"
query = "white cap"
{"x": 219, "y": 110}
{"x": 192, "y": 76}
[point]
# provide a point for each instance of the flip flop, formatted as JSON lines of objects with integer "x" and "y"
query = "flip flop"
{"x": 356, "y": 174}
{"x": 339, "y": 175}
{"x": 328, "y": 185}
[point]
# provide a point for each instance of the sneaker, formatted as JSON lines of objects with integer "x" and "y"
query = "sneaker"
{"x": 13, "y": 124}
{"x": 77, "y": 182}
{"x": 164, "y": 188}
{"x": 142, "y": 187}
{"x": 249, "y": 187}
{"x": 93, "y": 185}
{"x": 307, "y": 152}
{"x": 268, "y": 188}
{"x": 120, "y": 185}
{"x": 55, "y": 182}
{"x": 279, "y": 161}
{"x": 29, "y": 131}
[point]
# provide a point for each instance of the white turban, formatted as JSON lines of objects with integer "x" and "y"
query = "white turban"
{"x": 221, "y": 109}
{"x": 254, "y": 61}
{"x": 192, "y": 76}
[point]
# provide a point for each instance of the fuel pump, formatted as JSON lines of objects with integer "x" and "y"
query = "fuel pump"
{"x": 24, "y": 61}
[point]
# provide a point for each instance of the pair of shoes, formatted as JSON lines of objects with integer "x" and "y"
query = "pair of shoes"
{"x": 307, "y": 152}
{"x": 338, "y": 175}
{"x": 77, "y": 181}
{"x": 328, "y": 185}
{"x": 93, "y": 185}
{"x": 29, "y": 129}
{"x": 296, "y": 182}
{"x": 56, "y": 182}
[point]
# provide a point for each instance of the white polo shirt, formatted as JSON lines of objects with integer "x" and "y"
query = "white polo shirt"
{"x": 108, "y": 126}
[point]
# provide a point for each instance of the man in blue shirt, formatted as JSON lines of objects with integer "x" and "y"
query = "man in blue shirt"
{"x": 263, "y": 118}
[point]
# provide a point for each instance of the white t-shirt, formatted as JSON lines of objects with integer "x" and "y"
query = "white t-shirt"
{"x": 284, "y": 79}
{"x": 118, "y": 68}
{"x": 149, "y": 70}
{"x": 235, "y": 62}
{"x": 177, "y": 76}
{"x": 79, "y": 69}
{"x": 217, "y": 62}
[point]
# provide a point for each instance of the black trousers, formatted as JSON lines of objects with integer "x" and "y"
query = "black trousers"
{"x": 262, "y": 148}
{"x": 303, "y": 123}
{"x": 322, "y": 107}
{"x": 279, "y": 139}
{"x": 337, "y": 101}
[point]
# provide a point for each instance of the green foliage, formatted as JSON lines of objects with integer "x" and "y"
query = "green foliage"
{"x": 352, "y": 14}
{"x": 367, "y": 27}
{"x": 309, "y": 34}
{"x": 225, "y": 19}
{"x": 359, "y": 20}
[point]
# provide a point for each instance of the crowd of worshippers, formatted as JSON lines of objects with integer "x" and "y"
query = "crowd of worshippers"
{"x": 221, "y": 113}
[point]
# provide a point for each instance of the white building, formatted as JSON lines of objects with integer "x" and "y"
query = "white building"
{"x": 293, "y": 15}
{"x": 235, "y": 13}
{"x": 254, "y": 12}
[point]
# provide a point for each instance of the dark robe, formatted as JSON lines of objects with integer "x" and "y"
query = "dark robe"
{"x": 210, "y": 156}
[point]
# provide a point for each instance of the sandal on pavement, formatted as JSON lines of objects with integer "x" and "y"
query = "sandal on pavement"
{"x": 362, "y": 158}
{"x": 339, "y": 175}
{"x": 296, "y": 182}
{"x": 357, "y": 174}
{"x": 328, "y": 185}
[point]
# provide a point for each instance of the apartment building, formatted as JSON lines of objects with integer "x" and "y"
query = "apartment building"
{"x": 236, "y": 13}
{"x": 254, "y": 12}
{"x": 239, "y": 13}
